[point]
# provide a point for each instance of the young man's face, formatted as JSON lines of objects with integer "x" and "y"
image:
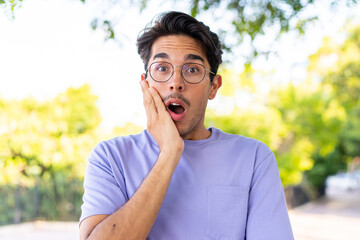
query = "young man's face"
{"x": 185, "y": 102}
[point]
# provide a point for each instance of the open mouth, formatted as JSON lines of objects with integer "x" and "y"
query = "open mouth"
{"x": 176, "y": 108}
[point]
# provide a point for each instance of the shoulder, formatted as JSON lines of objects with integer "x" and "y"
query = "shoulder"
{"x": 122, "y": 145}
{"x": 242, "y": 142}
{"x": 142, "y": 138}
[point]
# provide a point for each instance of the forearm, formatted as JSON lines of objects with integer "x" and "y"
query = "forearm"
{"x": 135, "y": 219}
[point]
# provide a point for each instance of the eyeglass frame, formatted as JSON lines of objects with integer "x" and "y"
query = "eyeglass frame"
{"x": 173, "y": 70}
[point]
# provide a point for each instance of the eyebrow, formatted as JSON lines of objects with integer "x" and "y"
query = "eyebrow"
{"x": 194, "y": 57}
{"x": 161, "y": 55}
{"x": 187, "y": 57}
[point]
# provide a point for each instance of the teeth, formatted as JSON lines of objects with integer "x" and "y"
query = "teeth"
{"x": 174, "y": 104}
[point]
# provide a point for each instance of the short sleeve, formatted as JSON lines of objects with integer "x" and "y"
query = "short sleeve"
{"x": 267, "y": 212}
{"x": 104, "y": 191}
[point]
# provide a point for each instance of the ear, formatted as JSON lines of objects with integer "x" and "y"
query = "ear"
{"x": 217, "y": 82}
{"x": 143, "y": 76}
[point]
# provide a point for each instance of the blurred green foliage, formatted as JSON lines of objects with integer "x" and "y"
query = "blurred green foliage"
{"x": 39, "y": 139}
{"x": 43, "y": 151}
{"x": 313, "y": 127}
{"x": 58, "y": 198}
{"x": 249, "y": 20}
{"x": 9, "y": 6}
{"x": 338, "y": 66}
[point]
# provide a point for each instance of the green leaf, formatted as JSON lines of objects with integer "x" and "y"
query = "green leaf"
{"x": 195, "y": 8}
{"x": 143, "y": 4}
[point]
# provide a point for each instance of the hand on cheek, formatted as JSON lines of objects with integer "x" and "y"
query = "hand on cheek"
{"x": 159, "y": 123}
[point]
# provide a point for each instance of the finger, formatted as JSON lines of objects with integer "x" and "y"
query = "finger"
{"x": 157, "y": 99}
{"x": 148, "y": 101}
{"x": 150, "y": 96}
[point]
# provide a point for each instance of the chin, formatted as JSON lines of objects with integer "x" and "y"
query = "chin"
{"x": 181, "y": 129}
{"x": 185, "y": 133}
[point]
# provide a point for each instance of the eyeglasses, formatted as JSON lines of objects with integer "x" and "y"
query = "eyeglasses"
{"x": 191, "y": 72}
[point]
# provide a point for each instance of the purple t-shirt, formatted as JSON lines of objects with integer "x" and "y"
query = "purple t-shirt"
{"x": 224, "y": 187}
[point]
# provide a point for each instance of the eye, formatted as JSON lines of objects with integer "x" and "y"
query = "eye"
{"x": 162, "y": 67}
{"x": 193, "y": 69}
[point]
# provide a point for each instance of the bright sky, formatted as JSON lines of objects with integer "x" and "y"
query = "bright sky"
{"x": 50, "y": 47}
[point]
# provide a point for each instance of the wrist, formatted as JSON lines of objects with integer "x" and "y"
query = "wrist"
{"x": 173, "y": 149}
{"x": 170, "y": 156}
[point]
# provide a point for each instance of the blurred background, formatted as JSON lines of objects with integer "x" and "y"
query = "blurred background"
{"x": 69, "y": 78}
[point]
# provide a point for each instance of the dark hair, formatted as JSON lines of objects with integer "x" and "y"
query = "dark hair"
{"x": 174, "y": 23}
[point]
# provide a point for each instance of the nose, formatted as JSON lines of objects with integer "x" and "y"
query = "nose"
{"x": 177, "y": 82}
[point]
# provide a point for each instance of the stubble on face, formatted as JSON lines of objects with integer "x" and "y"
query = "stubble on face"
{"x": 195, "y": 124}
{"x": 197, "y": 120}
{"x": 178, "y": 96}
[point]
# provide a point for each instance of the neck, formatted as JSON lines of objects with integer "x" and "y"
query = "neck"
{"x": 202, "y": 133}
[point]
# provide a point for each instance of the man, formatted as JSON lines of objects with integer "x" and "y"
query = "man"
{"x": 178, "y": 179}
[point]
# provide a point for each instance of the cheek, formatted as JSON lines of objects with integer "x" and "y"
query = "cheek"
{"x": 155, "y": 85}
{"x": 160, "y": 87}
{"x": 201, "y": 101}
{"x": 201, "y": 95}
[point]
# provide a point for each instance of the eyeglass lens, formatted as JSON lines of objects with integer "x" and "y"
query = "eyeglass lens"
{"x": 191, "y": 72}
